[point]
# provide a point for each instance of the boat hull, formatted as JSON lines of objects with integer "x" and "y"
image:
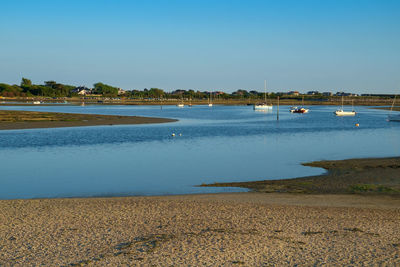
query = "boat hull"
{"x": 394, "y": 118}
{"x": 262, "y": 107}
{"x": 299, "y": 110}
{"x": 342, "y": 113}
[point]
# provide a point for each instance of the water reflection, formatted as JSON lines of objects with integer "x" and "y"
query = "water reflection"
{"x": 222, "y": 143}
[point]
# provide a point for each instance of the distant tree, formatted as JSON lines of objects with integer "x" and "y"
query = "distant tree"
{"x": 10, "y": 90}
{"x": 105, "y": 90}
{"x": 26, "y": 82}
{"x": 155, "y": 93}
{"x": 50, "y": 84}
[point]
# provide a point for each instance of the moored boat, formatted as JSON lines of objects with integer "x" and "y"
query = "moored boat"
{"x": 264, "y": 105}
{"x": 341, "y": 112}
{"x": 298, "y": 110}
{"x": 394, "y": 117}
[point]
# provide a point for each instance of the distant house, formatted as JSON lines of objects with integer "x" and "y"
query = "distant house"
{"x": 121, "y": 91}
{"x": 344, "y": 94}
{"x": 327, "y": 94}
{"x": 178, "y": 92}
{"x": 295, "y": 93}
{"x": 82, "y": 90}
{"x": 312, "y": 93}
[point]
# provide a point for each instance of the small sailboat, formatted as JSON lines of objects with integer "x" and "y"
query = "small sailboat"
{"x": 264, "y": 105}
{"x": 299, "y": 110}
{"x": 341, "y": 112}
{"x": 210, "y": 100}
{"x": 393, "y": 117}
{"x": 180, "y": 105}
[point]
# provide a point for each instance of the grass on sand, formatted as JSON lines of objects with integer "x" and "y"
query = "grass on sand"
{"x": 354, "y": 176}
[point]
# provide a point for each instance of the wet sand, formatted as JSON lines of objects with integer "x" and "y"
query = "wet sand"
{"x": 246, "y": 229}
{"x": 12, "y": 120}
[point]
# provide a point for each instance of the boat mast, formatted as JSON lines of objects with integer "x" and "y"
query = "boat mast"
{"x": 391, "y": 108}
{"x": 342, "y": 102}
{"x": 265, "y": 91}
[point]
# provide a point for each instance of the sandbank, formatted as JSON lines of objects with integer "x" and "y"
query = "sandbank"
{"x": 12, "y": 120}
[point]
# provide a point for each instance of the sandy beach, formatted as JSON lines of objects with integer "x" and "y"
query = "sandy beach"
{"x": 246, "y": 229}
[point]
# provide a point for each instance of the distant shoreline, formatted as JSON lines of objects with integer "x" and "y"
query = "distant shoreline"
{"x": 194, "y": 102}
{"x": 351, "y": 176}
{"x": 389, "y": 108}
{"x": 17, "y": 120}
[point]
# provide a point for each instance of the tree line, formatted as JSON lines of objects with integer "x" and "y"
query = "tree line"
{"x": 53, "y": 89}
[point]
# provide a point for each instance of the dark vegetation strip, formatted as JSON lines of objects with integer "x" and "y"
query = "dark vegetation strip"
{"x": 352, "y": 176}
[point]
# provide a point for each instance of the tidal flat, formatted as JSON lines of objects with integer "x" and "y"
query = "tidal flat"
{"x": 13, "y": 120}
{"x": 351, "y": 176}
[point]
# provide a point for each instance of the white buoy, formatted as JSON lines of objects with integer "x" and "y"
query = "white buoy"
{"x": 180, "y": 134}
{"x": 173, "y": 134}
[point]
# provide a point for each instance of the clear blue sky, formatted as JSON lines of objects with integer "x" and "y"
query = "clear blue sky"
{"x": 326, "y": 45}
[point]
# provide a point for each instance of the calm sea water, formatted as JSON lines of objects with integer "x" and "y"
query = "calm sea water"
{"x": 218, "y": 144}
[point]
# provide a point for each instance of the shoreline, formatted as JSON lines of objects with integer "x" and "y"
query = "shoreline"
{"x": 172, "y": 102}
{"x": 18, "y": 120}
{"x": 351, "y": 176}
{"x": 216, "y": 229}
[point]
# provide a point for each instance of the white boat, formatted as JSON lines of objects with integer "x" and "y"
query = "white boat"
{"x": 341, "y": 112}
{"x": 36, "y": 102}
{"x": 264, "y": 105}
{"x": 210, "y": 101}
{"x": 393, "y": 117}
{"x": 180, "y": 105}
